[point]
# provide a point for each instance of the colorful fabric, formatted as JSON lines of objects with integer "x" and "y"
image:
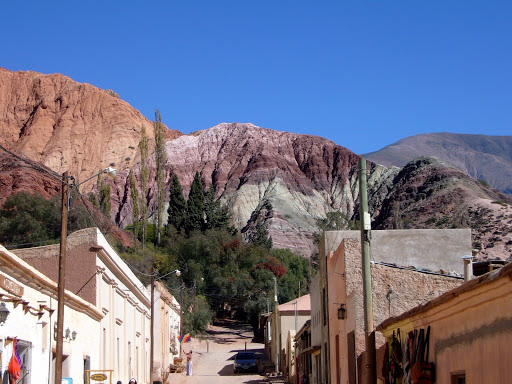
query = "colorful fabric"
{"x": 184, "y": 338}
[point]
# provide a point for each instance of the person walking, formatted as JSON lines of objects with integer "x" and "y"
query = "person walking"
{"x": 189, "y": 362}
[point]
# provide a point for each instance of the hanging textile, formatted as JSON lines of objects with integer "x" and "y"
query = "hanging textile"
{"x": 15, "y": 363}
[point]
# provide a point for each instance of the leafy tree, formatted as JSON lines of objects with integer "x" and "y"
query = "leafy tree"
{"x": 336, "y": 221}
{"x": 27, "y": 219}
{"x": 197, "y": 316}
{"x": 30, "y": 219}
{"x": 195, "y": 205}
{"x": 160, "y": 160}
{"x": 297, "y": 275}
{"x": 177, "y": 205}
{"x": 144, "y": 179}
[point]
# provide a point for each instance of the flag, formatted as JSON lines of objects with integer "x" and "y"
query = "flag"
{"x": 184, "y": 338}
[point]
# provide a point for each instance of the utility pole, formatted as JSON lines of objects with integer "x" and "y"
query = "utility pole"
{"x": 181, "y": 314}
{"x": 152, "y": 336}
{"x": 364, "y": 216}
{"x": 61, "y": 282}
{"x": 194, "y": 296}
{"x": 296, "y": 315}
{"x": 276, "y": 330}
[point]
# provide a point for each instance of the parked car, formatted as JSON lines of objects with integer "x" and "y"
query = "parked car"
{"x": 245, "y": 361}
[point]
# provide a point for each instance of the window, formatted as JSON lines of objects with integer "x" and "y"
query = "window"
{"x": 324, "y": 306}
{"x": 458, "y": 378}
{"x": 24, "y": 348}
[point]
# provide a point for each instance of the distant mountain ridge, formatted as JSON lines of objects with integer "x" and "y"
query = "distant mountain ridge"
{"x": 482, "y": 157}
{"x": 289, "y": 181}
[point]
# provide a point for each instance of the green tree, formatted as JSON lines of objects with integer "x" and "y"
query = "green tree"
{"x": 30, "y": 219}
{"x": 144, "y": 179}
{"x": 105, "y": 204}
{"x": 261, "y": 236}
{"x": 216, "y": 215}
{"x": 195, "y": 205}
{"x": 160, "y": 160}
{"x": 177, "y": 204}
{"x": 336, "y": 221}
{"x": 135, "y": 201}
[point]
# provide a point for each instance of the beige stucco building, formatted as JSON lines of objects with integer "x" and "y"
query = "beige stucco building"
{"x": 470, "y": 329}
{"x": 167, "y": 329}
{"x": 288, "y": 317}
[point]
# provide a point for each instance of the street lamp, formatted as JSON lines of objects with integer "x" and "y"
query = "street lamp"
{"x": 4, "y": 313}
{"x": 62, "y": 264}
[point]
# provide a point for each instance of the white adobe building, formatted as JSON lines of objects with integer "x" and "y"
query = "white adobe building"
{"x": 101, "y": 281}
{"x": 30, "y": 297}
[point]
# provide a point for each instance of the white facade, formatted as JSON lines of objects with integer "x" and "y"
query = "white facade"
{"x": 30, "y": 298}
{"x": 125, "y": 328}
{"x": 115, "y": 335}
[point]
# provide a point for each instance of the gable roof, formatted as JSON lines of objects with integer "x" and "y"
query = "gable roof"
{"x": 303, "y": 304}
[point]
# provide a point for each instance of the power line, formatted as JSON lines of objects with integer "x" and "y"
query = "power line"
{"x": 26, "y": 160}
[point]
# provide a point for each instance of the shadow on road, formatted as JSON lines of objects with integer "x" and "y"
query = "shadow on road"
{"x": 227, "y": 370}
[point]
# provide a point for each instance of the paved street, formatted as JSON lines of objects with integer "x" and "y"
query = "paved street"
{"x": 213, "y": 357}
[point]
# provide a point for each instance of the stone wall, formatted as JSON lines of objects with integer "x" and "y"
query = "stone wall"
{"x": 394, "y": 290}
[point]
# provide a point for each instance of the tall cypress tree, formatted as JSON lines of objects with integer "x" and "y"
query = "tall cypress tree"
{"x": 216, "y": 215}
{"x": 104, "y": 190}
{"x": 195, "y": 205}
{"x": 160, "y": 160}
{"x": 135, "y": 201}
{"x": 177, "y": 205}
{"x": 261, "y": 236}
{"x": 144, "y": 178}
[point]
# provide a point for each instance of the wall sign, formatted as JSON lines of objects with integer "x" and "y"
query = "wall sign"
{"x": 10, "y": 286}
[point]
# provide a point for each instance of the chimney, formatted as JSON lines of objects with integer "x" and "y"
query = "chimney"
{"x": 468, "y": 267}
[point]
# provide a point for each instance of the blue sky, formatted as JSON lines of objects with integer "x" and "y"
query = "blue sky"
{"x": 362, "y": 74}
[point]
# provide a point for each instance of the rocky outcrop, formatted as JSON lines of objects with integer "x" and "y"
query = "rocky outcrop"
{"x": 482, "y": 157}
{"x": 431, "y": 193}
{"x": 301, "y": 176}
{"x": 288, "y": 181}
{"x": 68, "y": 126}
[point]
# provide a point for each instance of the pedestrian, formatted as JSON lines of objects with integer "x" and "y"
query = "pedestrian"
{"x": 189, "y": 363}
{"x": 119, "y": 382}
{"x": 133, "y": 381}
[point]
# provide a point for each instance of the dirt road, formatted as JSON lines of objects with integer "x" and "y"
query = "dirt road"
{"x": 213, "y": 357}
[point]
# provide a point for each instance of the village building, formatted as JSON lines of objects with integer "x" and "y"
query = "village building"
{"x": 28, "y": 307}
{"x": 338, "y": 312}
{"x": 469, "y": 327}
{"x": 167, "y": 331}
{"x": 96, "y": 274}
{"x": 281, "y": 326}
{"x": 303, "y": 349}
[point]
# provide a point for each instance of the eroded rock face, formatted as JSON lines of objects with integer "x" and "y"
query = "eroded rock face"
{"x": 68, "y": 126}
{"x": 301, "y": 176}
